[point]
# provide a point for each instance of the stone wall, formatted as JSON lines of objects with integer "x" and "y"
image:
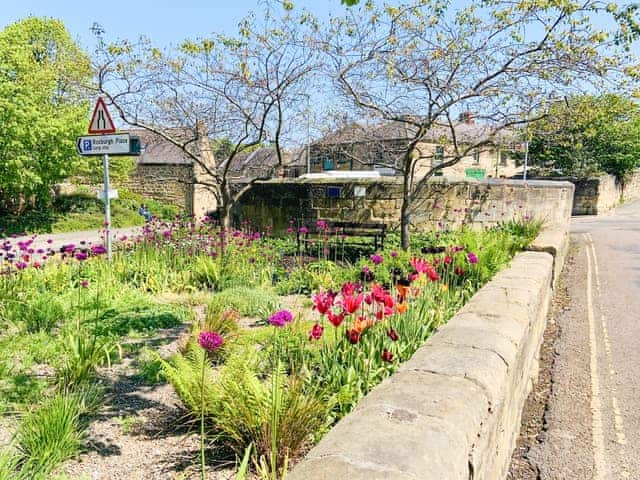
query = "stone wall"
{"x": 597, "y": 195}
{"x": 453, "y": 410}
{"x": 480, "y": 202}
{"x": 163, "y": 182}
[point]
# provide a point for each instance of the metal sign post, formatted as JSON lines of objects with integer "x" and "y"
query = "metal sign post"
{"x": 106, "y": 142}
{"x": 107, "y": 205}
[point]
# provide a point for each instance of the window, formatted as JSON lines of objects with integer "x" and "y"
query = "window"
{"x": 504, "y": 157}
{"x": 327, "y": 164}
{"x": 438, "y": 158}
{"x": 476, "y": 157}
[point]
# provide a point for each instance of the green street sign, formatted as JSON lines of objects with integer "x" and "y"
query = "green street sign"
{"x": 477, "y": 173}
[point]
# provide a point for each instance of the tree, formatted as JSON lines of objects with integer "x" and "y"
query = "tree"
{"x": 586, "y": 134}
{"x": 42, "y": 108}
{"x": 236, "y": 92}
{"x": 423, "y": 64}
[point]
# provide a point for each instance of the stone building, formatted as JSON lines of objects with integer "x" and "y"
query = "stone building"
{"x": 380, "y": 147}
{"x": 166, "y": 173}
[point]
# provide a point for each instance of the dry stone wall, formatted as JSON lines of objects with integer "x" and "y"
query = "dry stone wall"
{"x": 453, "y": 410}
{"x": 167, "y": 183}
{"x": 480, "y": 202}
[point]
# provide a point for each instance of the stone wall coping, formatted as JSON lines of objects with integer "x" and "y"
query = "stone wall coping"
{"x": 453, "y": 410}
{"x": 398, "y": 181}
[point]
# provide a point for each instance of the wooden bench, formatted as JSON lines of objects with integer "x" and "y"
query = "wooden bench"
{"x": 377, "y": 231}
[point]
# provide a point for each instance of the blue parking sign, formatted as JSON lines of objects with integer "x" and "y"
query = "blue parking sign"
{"x": 86, "y": 145}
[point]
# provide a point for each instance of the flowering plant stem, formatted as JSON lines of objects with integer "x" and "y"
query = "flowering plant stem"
{"x": 202, "y": 433}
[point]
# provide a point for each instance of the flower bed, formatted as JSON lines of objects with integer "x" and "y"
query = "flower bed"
{"x": 266, "y": 392}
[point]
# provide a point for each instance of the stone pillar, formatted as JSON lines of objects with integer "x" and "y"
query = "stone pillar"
{"x": 203, "y": 200}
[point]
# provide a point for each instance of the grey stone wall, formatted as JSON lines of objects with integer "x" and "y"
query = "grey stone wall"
{"x": 480, "y": 202}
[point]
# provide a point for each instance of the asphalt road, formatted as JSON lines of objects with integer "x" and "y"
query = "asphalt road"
{"x": 60, "y": 239}
{"x": 592, "y": 422}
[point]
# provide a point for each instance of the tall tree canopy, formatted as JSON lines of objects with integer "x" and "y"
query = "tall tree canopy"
{"x": 244, "y": 89}
{"x": 424, "y": 63}
{"x": 586, "y": 134}
{"x": 42, "y": 107}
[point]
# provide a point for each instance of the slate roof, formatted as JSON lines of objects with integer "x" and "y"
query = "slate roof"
{"x": 466, "y": 132}
{"x": 158, "y": 151}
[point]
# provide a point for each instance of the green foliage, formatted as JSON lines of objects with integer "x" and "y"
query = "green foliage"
{"x": 587, "y": 134}
{"x": 311, "y": 277}
{"x": 53, "y": 432}
{"x": 9, "y": 466}
{"x": 184, "y": 372}
{"x": 82, "y": 211}
{"x": 248, "y": 302}
{"x": 149, "y": 366}
{"x": 83, "y": 353}
{"x": 42, "y": 107}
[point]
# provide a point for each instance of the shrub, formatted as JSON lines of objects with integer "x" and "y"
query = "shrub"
{"x": 149, "y": 366}
{"x": 184, "y": 372}
{"x": 83, "y": 354}
{"x": 9, "y": 465}
{"x": 249, "y": 302}
{"x": 54, "y": 431}
{"x": 244, "y": 406}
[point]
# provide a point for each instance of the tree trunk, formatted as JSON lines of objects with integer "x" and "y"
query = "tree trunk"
{"x": 225, "y": 209}
{"x": 405, "y": 240}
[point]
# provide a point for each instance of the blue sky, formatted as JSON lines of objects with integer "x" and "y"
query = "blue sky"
{"x": 164, "y": 21}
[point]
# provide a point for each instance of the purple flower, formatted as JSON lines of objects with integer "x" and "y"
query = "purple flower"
{"x": 210, "y": 341}
{"x": 304, "y": 230}
{"x": 376, "y": 259}
{"x": 21, "y": 265}
{"x": 98, "y": 250}
{"x": 281, "y": 318}
{"x": 84, "y": 283}
{"x": 81, "y": 256}
{"x": 472, "y": 257}
{"x": 394, "y": 254}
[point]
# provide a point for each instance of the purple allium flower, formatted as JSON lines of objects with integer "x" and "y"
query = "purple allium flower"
{"x": 394, "y": 254}
{"x": 81, "y": 256}
{"x": 21, "y": 265}
{"x": 50, "y": 241}
{"x": 98, "y": 250}
{"x": 376, "y": 259}
{"x": 290, "y": 230}
{"x": 210, "y": 341}
{"x": 472, "y": 257}
{"x": 304, "y": 230}
{"x": 84, "y": 283}
{"x": 281, "y": 318}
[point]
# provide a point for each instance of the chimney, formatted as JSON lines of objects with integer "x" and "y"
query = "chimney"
{"x": 466, "y": 117}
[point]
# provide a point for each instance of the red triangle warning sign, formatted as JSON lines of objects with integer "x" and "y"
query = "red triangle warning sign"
{"x": 101, "y": 120}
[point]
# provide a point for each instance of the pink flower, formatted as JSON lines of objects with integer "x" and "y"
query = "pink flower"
{"x": 316, "y": 332}
{"x": 376, "y": 259}
{"x": 281, "y": 318}
{"x": 335, "y": 318}
{"x": 323, "y": 301}
{"x": 387, "y": 356}
{"x": 472, "y": 257}
{"x": 352, "y": 303}
{"x": 210, "y": 341}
